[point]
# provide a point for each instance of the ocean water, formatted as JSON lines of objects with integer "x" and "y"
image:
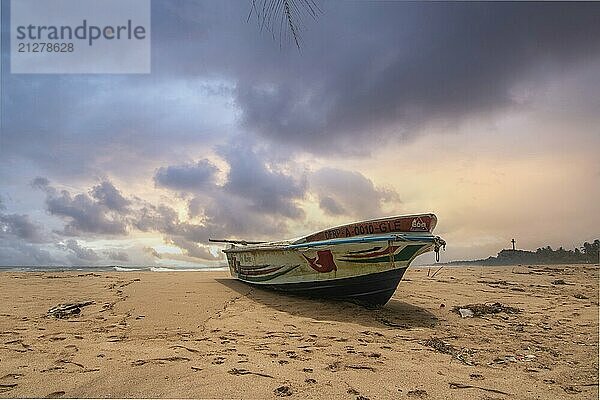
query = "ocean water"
{"x": 106, "y": 269}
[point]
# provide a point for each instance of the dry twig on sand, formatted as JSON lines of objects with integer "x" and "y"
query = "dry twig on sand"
{"x": 454, "y": 385}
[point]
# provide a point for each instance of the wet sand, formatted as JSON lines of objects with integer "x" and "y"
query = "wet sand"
{"x": 203, "y": 335}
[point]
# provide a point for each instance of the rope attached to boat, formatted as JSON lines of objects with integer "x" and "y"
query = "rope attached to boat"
{"x": 439, "y": 242}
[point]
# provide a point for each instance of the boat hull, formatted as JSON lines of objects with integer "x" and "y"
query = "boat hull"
{"x": 374, "y": 289}
{"x": 362, "y": 262}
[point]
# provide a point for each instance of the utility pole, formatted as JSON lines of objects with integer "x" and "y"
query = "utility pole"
{"x": 513, "y": 243}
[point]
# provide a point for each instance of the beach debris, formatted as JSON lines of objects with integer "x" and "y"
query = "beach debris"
{"x": 420, "y": 393}
{"x": 372, "y": 333}
{"x": 505, "y": 359}
{"x": 439, "y": 345}
{"x": 178, "y": 346}
{"x": 196, "y": 368}
{"x": 361, "y": 397}
{"x": 503, "y": 283}
{"x": 241, "y": 371}
{"x": 67, "y": 310}
{"x": 463, "y": 355}
{"x": 558, "y": 282}
{"x": 283, "y": 391}
{"x": 571, "y": 389}
{"x": 90, "y": 370}
{"x": 392, "y": 324}
{"x": 70, "y": 362}
{"x": 14, "y": 376}
{"x": 465, "y": 313}
{"x": 581, "y": 296}
{"x": 356, "y": 366}
{"x": 480, "y": 310}
{"x": 5, "y": 387}
{"x": 137, "y": 363}
{"x": 55, "y": 395}
{"x": 435, "y": 273}
{"x": 454, "y": 385}
{"x": 291, "y": 354}
{"x": 476, "y": 377}
{"x": 52, "y": 369}
{"x": 334, "y": 367}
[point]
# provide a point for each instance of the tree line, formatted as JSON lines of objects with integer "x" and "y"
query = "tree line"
{"x": 587, "y": 253}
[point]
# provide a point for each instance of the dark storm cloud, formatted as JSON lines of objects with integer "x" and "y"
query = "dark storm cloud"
{"x": 387, "y": 69}
{"x": 80, "y": 252}
{"x": 21, "y": 240}
{"x": 85, "y": 214}
{"x": 108, "y": 212}
{"x": 350, "y": 193}
{"x": 188, "y": 177}
{"x": 107, "y": 195}
{"x": 21, "y": 226}
{"x": 88, "y": 126}
{"x": 224, "y": 211}
{"x": 331, "y": 206}
{"x": 235, "y": 217}
{"x": 192, "y": 249}
{"x": 381, "y": 69}
{"x": 16, "y": 251}
{"x": 269, "y": 190}
{"x": 258, "y": 196}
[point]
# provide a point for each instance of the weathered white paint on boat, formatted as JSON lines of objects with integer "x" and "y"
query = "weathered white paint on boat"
{"x": 366, "y": 258}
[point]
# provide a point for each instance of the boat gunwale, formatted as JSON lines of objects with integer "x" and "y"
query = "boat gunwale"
{"x": 282, "y": 246}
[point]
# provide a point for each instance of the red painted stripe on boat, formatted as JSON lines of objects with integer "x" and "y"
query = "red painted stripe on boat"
{"x": 388, "y": 250}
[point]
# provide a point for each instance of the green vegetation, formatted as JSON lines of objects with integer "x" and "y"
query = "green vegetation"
{"x": 587, "y": 254}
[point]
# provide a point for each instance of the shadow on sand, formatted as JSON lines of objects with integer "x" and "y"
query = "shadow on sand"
{"x": 395, "y": 314}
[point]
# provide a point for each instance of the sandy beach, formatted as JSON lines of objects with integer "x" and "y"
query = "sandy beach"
{"x": 204, "y": 335}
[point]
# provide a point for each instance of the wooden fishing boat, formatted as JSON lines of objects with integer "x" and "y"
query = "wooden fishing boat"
{"x": 362, "y": 262}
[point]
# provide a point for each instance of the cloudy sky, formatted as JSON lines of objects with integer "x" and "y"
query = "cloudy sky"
{"x": 487, "y": 114}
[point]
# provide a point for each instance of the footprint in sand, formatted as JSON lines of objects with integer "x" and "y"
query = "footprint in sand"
{"x": 138, "y": 363}
{"x": 13, "y": 376}
{"x": 291, "y": 354}
{"x": 218, "y": 360}
{"x": 72, "y": 348}
{"x": 5, "y": 387}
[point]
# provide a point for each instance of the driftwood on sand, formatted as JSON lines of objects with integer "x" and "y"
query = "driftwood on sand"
{"x": 67, "y": 310}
